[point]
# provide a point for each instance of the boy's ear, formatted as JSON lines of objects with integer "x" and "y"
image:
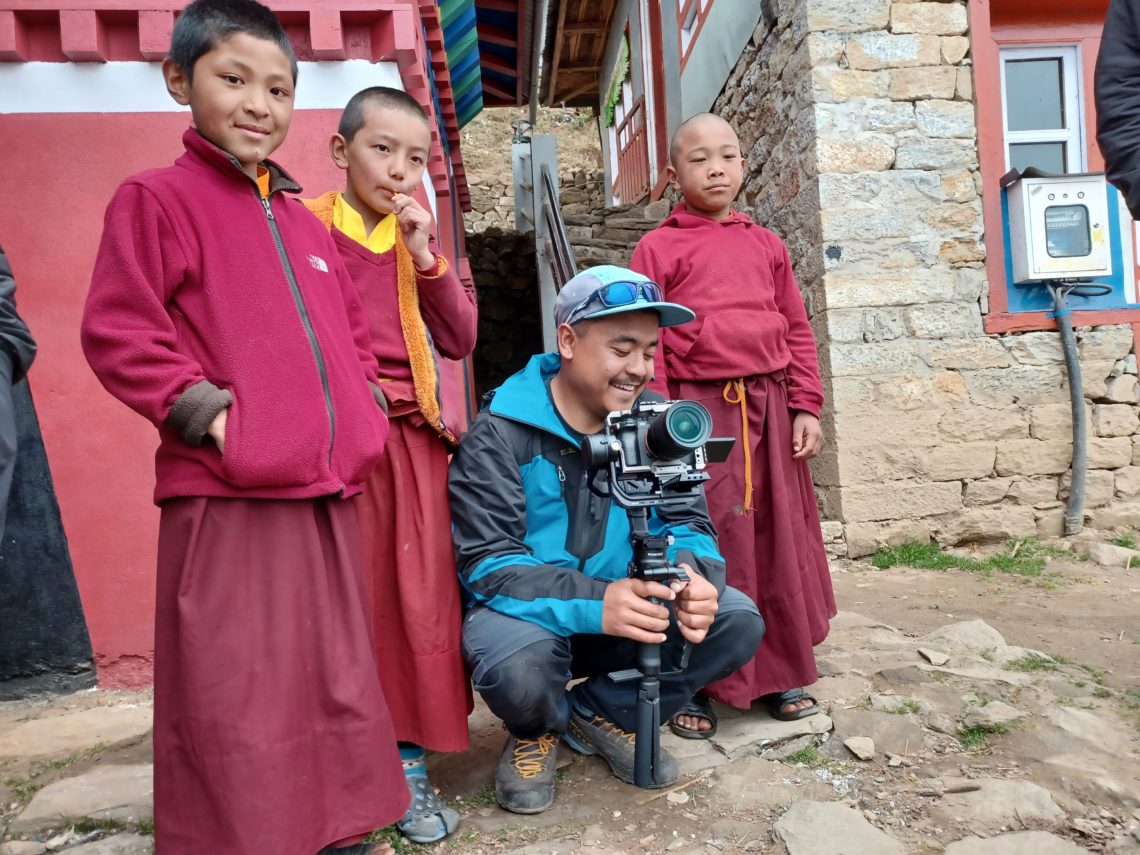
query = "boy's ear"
{"x": 671, "y": 174}
{"x": 177, "y": 83}
{"x": 338, "y": 148}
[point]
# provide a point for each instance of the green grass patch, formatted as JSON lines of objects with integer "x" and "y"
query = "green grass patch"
{"x": 1126, "y": 538}
{"x": 145, "y": 826}
{"x": 484, "y": 798}
{"x": 976, "y": 738}
{"x": 810, "y": 756}
{"x": 1031, "y": 662}
{"x": 24, "y": 788}
{"x": 87, "y": 825}
{"x": 1102, "y": 692}
{"x": 1026, "y": 558}
{"x": 393, "y": 838}
{"x": 906, "y": 705}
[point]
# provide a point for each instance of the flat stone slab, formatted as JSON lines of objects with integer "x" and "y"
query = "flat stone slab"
{"x": 1019, "y": 843}
{"x": 829, "y": 828}
{"x": 120, "y": 844}
{"x": 999, "y": 803}
{"x": 891, "y": 733}
{"x": 119, "y": 793}
{"x": 738, "y": 730}
{"x": 22, "y": 847}
{"x": 78, "y": 731}
{"x": 993, "y": 714}
{"x": 965, "y": 635}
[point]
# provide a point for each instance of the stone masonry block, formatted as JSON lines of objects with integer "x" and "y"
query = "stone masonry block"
{"x": 966, "y": 353}
{"x": 988, "y": 523}
{"x": 1035, "y": 490}
{"x": 1114, "y": 419}
{"x": 955, "y": 219}
{"x": 959, "y": 186}
{"x": 964, "y": 84}
{"x": 1123, "y": 389}
{"x": 1020, "y": 384}
{"x": 847, "y": 16}
{"x": 1054, "y": 421}
{"x": 945, "y": 19}
{"x": 1105, "y": 343}
{"x": 1109, "y": 452}
{"x": 871, "y": 359}
{"x": 921, "y": 83}
{"x": 1050, "y": 522}
{"x": 893, "y": 500}
{"x": 1117, "y": 515}
{"x": 896, "y": 288}
{"x": 873, "y": 51}
{"x": 954, "y": 49}
{"x": 1035, "y": 348}
{"x": 1136, "y": 451}
{"x": 1095, "y": 376}
{"x": 1127, "y": 482}
{"x": 986, "y": 491}
{"x": 923, "y": 391}
{"x": 945, "y": 119}
{"x": 938, "y": 154}
{"x": 1033, "y": 457}
{"x": 841, "y": 84}
{"x": 865, "y": 153}
{"x": 867, "y": 538}
{"x": 836, "y": 122}
{"x": 1100, "y": 487}
{"x": 974, "y": 422}
{"x": 965, "y": 460}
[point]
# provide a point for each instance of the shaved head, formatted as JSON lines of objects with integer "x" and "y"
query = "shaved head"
{"x": 691, "y": 129}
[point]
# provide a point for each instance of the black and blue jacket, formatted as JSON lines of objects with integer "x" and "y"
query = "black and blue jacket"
{"x": 531, "y": 539}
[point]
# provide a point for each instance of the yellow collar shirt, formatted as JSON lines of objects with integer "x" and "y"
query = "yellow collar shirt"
{"x": 347, "y": 220}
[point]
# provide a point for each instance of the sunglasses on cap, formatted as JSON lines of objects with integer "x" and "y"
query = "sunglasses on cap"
{"x": 615, "y": 295}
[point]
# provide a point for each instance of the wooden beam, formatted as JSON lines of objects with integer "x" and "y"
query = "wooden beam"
{"x": 558, "y": 46}
{"x": 585, "y": 27}
{"x": 494, "y": 63}
{"x": 511, "y": 6}
{"x": 571, "y": 69}
{"x": 497, "y": 36}
{"x": 581, "y": 90}
{"x": 491, "y": 89}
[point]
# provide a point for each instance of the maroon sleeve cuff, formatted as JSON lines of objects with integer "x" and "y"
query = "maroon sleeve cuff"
{"x": 196, "y": 408}
{"x": 435, "y": 271}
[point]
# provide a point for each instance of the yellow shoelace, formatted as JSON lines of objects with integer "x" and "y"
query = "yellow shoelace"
{"x": 610, "y": 727}
{"x": 530, "y": 754}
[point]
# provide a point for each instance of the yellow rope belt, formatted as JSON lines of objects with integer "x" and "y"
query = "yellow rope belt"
{"x": 734, "y": 393}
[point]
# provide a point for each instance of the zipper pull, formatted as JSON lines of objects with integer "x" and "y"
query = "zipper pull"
{"x": 268, "y": 210}
{"x": 561, "y": 475}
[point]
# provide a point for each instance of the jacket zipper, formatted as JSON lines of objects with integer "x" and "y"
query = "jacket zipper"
{"x": 299, "y": 301}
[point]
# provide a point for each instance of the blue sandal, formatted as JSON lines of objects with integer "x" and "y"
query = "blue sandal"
{"x": 428, "y": 818}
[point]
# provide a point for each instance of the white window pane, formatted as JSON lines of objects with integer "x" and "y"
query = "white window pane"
{"x": 1048, "y": 157}
{"x": 1034, "y": 94}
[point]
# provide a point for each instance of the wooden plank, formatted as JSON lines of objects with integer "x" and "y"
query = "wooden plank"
{"x": 498, "y": 5}
{"x": 491, "y": 89}
{"x": 497, "y": 36}
{"x": 558, "y": 48}
{"x": 494, "y": 63}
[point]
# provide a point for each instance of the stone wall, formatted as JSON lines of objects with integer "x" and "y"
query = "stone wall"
{"x": 857, "y": 120}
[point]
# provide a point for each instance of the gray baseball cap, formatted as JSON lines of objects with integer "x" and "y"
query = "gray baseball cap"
{"x": 611, "y": 290}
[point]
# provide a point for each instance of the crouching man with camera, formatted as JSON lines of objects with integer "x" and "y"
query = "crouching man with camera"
{"x": 545, "y": 556}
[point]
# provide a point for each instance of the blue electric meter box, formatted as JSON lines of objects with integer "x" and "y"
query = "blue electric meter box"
{"x": 1066, "y": 227}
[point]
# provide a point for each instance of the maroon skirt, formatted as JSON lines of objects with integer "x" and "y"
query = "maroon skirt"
{"x": 774, "y": 552}
{"x": 271, "y": 733}
{"x": 414, "y": 588}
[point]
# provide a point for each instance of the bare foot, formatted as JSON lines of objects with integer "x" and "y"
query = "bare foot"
{"x": 693, "y": 722}
{"x": 795, "y": 706}
{"x": 383, "y": 849}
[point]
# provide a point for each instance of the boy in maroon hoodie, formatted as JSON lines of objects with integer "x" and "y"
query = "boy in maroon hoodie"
{"x": 751, "y": 359}
{"x": 219, "y": 310}
{"x": 416, "y": 305}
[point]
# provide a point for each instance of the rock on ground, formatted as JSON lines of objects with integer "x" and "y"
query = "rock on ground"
{"x": 966, "y": 635}
{"x": 78, "y": 731}
{"x": 119, "y": 793}
{"x": 120, "y": 844}
{"x": 1019, "y": 843}
{"x": 829, "y": 828}
{"x": 999, "y": 803}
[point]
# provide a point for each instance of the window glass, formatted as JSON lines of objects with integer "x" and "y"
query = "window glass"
{"x": 1048, "y": 157}
{"x": 1067, "y": 232}
{"x": 1034, "y": 93}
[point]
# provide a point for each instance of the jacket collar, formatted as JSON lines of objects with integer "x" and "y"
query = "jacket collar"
{"x": 683, "y": 218}
{"x": 200, "y": 150}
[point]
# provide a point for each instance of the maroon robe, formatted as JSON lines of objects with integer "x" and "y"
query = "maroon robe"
{"x": 270, "y": 730}
{"x": 404, "y": 513}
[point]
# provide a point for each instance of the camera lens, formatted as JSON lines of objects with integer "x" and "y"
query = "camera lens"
{"x": 685, "y": 426}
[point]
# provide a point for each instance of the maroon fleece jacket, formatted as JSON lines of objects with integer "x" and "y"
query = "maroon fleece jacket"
{"x": 738, "y": 278}
{"x": 206, "y": 296}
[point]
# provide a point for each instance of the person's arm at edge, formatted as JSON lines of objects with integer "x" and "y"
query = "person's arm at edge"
{"x": 646, "y": 262}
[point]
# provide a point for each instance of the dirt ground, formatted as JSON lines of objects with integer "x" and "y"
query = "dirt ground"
{"x": 1078, "y": 610}
{"x": 1083, "y": 612}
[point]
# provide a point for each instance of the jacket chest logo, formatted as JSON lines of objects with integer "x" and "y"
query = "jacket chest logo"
{"x": 318, "y": 263}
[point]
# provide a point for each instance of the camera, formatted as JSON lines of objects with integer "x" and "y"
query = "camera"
{"x": 655, "y": 452}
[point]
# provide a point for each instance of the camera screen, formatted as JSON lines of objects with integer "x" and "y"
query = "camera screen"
{"x": 1067, "y": 232}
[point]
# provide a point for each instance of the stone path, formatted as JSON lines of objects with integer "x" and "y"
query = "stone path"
{"x": 952, "y": 742}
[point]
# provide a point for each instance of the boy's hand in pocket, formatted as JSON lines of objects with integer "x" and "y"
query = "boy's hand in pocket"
{"x": 217, "y": 430}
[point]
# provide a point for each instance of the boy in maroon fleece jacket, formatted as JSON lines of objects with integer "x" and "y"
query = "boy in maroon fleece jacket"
{"x": 750, "y": 358}
{"x": 220, "y": 310}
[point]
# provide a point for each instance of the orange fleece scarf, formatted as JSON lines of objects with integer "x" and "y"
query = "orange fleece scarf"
{"x": 421, "y": 354}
